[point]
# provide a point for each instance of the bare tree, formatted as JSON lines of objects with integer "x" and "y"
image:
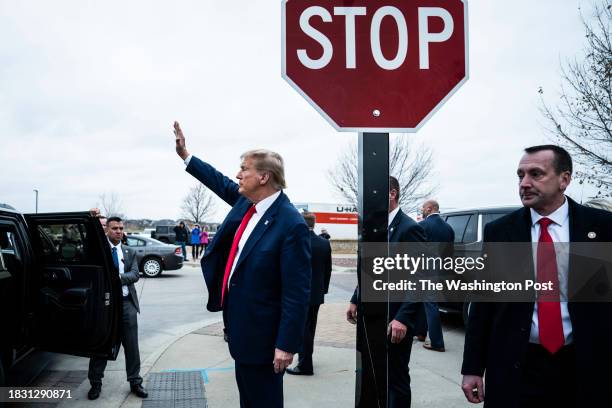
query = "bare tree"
{"x": 582, "y": 119}
{"x": 198, "y": 204}
{"x": 412, "y": 165}
{"x": 110, "y": 205}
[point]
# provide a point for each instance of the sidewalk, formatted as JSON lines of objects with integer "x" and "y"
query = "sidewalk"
{"x": 201, "y": 354}
{"x": 333, "y": 384}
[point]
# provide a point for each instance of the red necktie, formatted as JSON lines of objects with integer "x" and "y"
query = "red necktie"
{"x": 234, "y": 249}
{"x": 549, "y": 308}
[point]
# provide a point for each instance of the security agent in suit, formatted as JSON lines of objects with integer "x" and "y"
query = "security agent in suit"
{"x": 558, "y": 355}
{"x": 127, "y": 267}
{"x": 321, "y": 275}
{"x": 264, "y": 291}
{"x": 403, "y": 315}
{"x": 437, "y": 231}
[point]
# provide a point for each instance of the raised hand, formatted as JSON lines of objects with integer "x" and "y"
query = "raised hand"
{"x": 181, "y": 149}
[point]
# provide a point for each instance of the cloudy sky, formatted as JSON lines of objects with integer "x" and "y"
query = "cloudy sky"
{"x": 89, "y": 91}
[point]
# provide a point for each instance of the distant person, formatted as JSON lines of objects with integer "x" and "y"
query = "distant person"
{"x": 204, "y": 239}
{"x": 180, "y": 232}
{"x": 195, "y": 242}
{"x": 437, "y": 231}
{"x": 402, "y": 315}
{"x": 257, "y": 271}
{"x": 551, "y": 352}
{"x": 127, "y": 268}
{"x": 321, "y": 274}
{"x": 324, "y": 234}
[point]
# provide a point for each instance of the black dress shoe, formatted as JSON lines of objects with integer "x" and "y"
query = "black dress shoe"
{"x": 298, "y": 371}
{"x": 139, "y": 391}
{"x": 94, "y": 392}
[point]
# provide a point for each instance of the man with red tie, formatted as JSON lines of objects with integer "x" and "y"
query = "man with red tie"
{"x": 257, "y": 270}
{"x": 551, "y": 352}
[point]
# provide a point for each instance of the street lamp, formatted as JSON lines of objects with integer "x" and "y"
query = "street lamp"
{"x": 36, "y": 191}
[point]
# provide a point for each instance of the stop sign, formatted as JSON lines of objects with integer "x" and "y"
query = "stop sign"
{"x": 375, "y": 65}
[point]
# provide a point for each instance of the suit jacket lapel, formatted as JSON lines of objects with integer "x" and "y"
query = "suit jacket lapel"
{"x": 262, "y": 226}
{"x": 394, "y": 226}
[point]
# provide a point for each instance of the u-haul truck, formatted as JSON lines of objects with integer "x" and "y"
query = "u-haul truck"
{"x": 340, "y": 220}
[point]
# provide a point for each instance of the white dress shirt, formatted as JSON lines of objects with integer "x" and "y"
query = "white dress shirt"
{"x": 559, "y": 232}
{"x": 124, "y": 288}
{"x": 260, "y": 209}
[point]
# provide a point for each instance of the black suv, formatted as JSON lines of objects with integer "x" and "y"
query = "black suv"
{"x": 58, "y": 289}
{"x": 469, "y": 226}
{"x": 164, "y": 233}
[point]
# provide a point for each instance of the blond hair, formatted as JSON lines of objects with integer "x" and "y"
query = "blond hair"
{"x": 267, "y": 161}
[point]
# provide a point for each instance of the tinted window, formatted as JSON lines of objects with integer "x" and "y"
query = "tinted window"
{"x": 162, "y": 230}
{"x": 63, "y": 242}
{"x": 471, "y": 231}
{"x": 10, "y": 256}
{"x": 487, "y": 218}
{"x": 458, "y": 223}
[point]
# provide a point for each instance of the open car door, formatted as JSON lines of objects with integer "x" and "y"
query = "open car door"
{"x": 74, "y": 289}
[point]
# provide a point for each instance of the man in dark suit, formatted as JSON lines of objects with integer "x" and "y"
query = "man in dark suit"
{"x": 437, "y": 231}
{"x": 548, "y": 353}
{"x": 257, "y": 270}
{"x": 321, "y": 275}
{"x": 402, "y": 315}
{"x": 126, "y": 265}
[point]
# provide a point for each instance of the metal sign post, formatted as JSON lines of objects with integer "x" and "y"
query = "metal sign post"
{"x": 373, "y": 203}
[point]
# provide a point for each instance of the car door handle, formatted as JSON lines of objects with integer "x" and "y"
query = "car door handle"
{"x": 57, "y": 274}
{"x": 74, "y": 296}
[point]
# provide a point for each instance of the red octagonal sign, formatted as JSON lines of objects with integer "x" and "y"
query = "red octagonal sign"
{"x": 375, "y": 65}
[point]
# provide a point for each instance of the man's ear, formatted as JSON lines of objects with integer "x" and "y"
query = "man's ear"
{"x": 264, "y": 177}
{"x": 566, "y": 178}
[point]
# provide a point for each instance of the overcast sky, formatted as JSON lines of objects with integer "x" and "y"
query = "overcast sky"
{"x": 89, "y": 91}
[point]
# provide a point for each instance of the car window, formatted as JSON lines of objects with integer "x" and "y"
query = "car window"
{"x": 135, "y": 242}
{"x": 63, "y": 242}
{"x": 162, "y": 230}
{"x": 471, "y": 231}
{"x": 487, "y": 218}
{"x": 458, "y": 223}
{"x": 10, "y": 253}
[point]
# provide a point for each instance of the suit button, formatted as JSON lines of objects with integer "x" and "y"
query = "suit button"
{"x": 232, "y": 284}
{"x": 523, "y": 329}
{"x": 517, "y": 365}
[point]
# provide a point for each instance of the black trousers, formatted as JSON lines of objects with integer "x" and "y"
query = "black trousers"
{"x": 129, "y": 340}
{"x": 195, "y": 251}
{"x": 399, "y": 395}
{"x": 549, "y": 380}
{"x": 305, "y": 357}
{"x": 259, "y": 386}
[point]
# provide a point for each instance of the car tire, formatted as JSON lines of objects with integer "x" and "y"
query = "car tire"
{"x": 151, "y": 267}
{"x": 164, "y": 240}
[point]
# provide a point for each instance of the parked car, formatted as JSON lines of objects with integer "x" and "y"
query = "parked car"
{"x": 154, "y": 256}
{"x": 469, "y": 226}
{"x": 164, "y": 233}
{"x": 59, "y": 290}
